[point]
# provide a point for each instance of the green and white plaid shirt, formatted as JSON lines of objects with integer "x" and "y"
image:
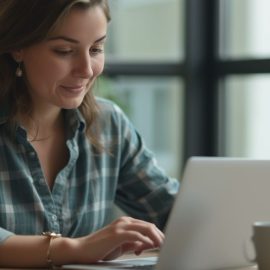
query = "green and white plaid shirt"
{"x": 87, "y": 187}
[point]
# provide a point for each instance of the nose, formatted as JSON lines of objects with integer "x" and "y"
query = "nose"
{"x": 83, "y": 67}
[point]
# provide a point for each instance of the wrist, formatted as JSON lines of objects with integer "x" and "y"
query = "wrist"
{"x": 63, "y": 251}
{"x": 50, "y": 237}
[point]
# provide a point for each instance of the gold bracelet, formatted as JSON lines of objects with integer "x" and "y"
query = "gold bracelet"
{"x": 51, "y": 236}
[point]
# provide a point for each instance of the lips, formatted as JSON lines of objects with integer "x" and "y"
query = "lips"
{"x": 73, "y": 89}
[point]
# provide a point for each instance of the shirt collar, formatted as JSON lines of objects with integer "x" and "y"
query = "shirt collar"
{"x": 74, "y": 121}
{"x": 73, "y": 118}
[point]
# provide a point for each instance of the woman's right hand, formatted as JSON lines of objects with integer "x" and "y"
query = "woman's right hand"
{"x": 125, "y": 234}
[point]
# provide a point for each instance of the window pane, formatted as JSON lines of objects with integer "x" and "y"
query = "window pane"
{"x": 244, "y": 28}
{"x": 154, "y": 105}
{"x": 246, "y": 129}
{"x": 146, "y": 30}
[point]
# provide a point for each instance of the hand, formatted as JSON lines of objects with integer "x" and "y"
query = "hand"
{"x": 123, "y": 235}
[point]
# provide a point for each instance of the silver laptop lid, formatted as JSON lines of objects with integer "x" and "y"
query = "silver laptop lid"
{"x": 210, "y": 225}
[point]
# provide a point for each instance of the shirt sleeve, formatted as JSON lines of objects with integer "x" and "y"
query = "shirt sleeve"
{"x": 4, "y": 234}
{"x": 144, "y": 190}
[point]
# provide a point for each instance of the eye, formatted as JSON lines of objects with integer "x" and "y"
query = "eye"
{"x": 97, "y": 50}
{"x": 63, "y": 52}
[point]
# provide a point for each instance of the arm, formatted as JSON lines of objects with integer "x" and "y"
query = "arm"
{"x": 122, "y": 235}
{"x": 144, "y": 191}
{"x": 31, "y": 251}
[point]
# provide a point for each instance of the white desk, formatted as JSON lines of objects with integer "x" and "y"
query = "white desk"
{"x": 130, "y": 256}
{"x": 154, "y": 253}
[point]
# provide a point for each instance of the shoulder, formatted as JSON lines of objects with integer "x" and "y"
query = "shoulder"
{"x": 108, "y": 106}
{"x": 112, "y": 119}
{"x": 108, "y": 110}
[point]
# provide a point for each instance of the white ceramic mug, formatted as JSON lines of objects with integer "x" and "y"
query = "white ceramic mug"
{"x": 261, "y": 241}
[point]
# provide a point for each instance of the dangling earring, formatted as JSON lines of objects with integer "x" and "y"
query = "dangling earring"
{"x": 19, "y": 71}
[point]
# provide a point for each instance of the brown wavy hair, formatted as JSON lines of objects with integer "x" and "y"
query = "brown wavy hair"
{"x": 24, "y": 23}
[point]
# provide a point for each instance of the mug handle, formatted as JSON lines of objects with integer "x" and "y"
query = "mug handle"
{"x": 250, "y": 243}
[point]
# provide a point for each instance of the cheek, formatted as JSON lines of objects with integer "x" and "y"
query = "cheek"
{"x": 98, "y": 66}
{"x": 42, "y": 73}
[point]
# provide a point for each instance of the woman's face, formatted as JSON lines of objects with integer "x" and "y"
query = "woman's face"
{"x": 60, "y": 69}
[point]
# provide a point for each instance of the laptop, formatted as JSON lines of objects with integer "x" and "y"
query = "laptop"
{"x": 210, "y": 225}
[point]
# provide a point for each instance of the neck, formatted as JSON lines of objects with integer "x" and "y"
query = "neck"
{"x": 41, "y": 125}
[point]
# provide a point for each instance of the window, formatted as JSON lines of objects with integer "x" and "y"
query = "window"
{"x": 200, "y": 70}
{"x": 244, "y": 29}
{"x": 244, "y": 90}
{"x": 149, "y": 30}
{"x": 144, "y": 49}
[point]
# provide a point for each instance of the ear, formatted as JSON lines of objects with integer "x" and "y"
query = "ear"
{"x": 17, "y": 55}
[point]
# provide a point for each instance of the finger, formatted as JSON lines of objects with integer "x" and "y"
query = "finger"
{"x": 130, "y": 233}
{"x": 117, "y": 252}
{"x": 141, "y": 248}
{"x": 148, "y": 230}
{"x": 129, "y": 236}
{"x": 129, "y": 220}
{"x": 137, "y": 247}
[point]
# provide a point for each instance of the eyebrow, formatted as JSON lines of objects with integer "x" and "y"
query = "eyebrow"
{"x": 68, "y": 39}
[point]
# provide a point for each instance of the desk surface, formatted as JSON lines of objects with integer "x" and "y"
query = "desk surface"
{"x": 131, "y": 256}
{"x": 155, "y": 253}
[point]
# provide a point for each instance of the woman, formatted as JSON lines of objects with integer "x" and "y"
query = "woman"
{"x": 67, "y": 156}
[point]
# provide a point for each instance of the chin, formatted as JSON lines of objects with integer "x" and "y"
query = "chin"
{"x": 71, "y": 105}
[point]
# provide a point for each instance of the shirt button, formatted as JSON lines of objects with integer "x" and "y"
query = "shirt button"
{"x": 54, "y": 217}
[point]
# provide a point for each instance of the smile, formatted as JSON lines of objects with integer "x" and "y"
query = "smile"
{"x": 75, "y": 90}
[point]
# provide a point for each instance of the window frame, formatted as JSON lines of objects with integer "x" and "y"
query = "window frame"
{"x": 202, "y": 71}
